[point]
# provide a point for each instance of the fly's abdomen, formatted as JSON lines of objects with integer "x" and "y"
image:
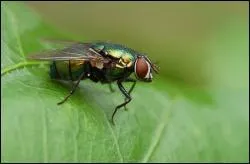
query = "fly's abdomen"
{"x": 66, "y": 70}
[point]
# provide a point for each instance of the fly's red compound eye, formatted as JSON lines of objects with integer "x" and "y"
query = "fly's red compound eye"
{"x": 142, "y": 69}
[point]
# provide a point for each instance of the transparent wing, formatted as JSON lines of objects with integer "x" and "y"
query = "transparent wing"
{"x": 72, "y": 51}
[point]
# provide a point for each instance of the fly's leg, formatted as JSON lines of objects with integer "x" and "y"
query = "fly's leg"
{"x": 128, "y": 99}
{"x": 111, "y": 88}
{"x": 130, "y": 90}
{"x": 72, "y": 83}
{"x": 73, "y": 89}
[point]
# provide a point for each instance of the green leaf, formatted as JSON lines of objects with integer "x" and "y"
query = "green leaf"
{"x": 165, "y": 121}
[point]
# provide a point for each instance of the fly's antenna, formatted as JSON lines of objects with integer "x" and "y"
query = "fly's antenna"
{"x": 155, "y": 67}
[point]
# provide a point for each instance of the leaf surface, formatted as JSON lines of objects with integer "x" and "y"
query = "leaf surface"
{"x": 165, "y": 122}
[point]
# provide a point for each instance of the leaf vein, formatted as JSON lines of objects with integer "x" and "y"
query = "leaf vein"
{"x": 15, "y": 31}
{"x": 115, "y": 141}
{"x": 18, "y": 66}
{"x": 158, "y": 134}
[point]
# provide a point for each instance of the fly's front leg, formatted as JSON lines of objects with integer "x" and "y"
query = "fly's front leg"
{"x": 130, "y": 90}
{"x": 72, "y": 90}
{"x": 128, "y": 99}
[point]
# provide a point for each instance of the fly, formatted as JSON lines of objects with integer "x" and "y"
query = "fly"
{"x": 100, "y": 62}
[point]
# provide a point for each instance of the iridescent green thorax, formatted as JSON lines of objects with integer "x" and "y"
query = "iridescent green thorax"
{"x": 115, "y": 50}
{"x": 112, "y": 46}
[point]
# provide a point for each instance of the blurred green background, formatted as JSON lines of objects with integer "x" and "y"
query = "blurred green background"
{"x": 202, "y": 49}
{"x": 191, "y": 40}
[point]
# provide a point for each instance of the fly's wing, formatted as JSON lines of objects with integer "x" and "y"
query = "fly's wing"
{"x": 72, "y": 51}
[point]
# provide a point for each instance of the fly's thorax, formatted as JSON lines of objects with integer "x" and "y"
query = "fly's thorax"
{"x": 142, "y": 69}
{"x": 125, "y": 61}
{"x": 125, "y": 55}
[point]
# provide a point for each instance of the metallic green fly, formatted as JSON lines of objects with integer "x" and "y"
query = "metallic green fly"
{"x": 100, "y": 62}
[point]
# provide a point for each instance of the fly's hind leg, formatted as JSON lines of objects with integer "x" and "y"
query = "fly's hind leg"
{"x": 72, "y": 90}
